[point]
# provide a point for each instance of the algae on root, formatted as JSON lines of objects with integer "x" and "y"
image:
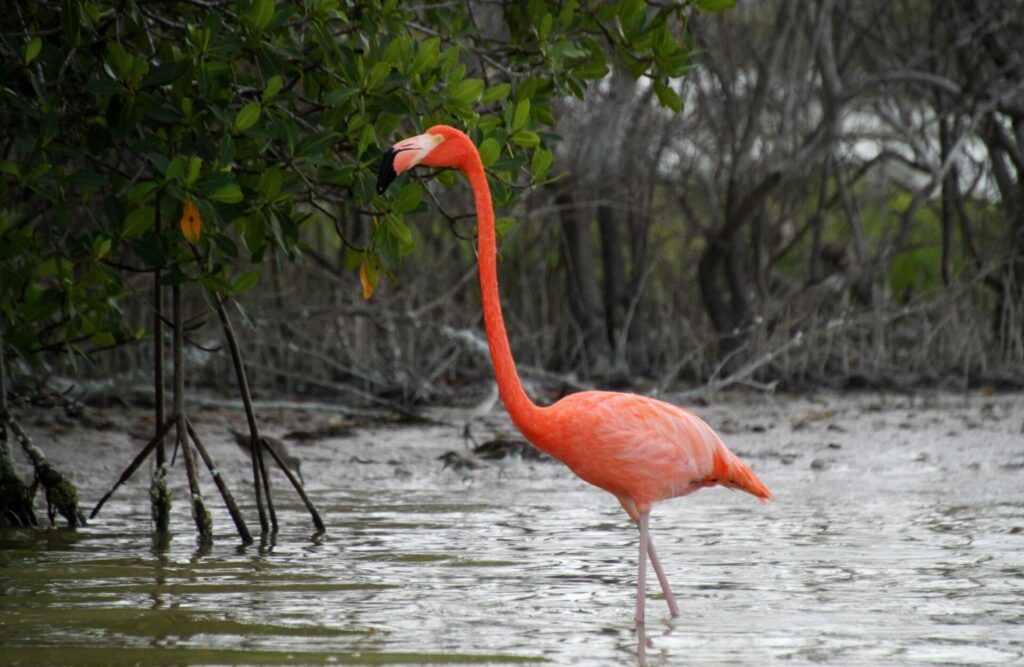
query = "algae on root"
{"x": 15, "y": 500}
{"x": 61, "y": 495}
{"x": 160, "y": 500}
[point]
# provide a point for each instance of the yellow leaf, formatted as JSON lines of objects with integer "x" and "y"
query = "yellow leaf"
{"x": 191, "y": 224}
{"x": 368, "y": 277}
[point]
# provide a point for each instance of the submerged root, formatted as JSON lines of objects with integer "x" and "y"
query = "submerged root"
{"x": 61, "y": 495}
{"x": 15, "y": 501}
{"x": 160, "y": 500}
{"x": 204, "y": 522}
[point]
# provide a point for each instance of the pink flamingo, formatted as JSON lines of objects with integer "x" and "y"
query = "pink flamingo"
{"x": 639, "y": 449}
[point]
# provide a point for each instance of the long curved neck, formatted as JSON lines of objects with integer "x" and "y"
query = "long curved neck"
{"x": 518, "y": 404}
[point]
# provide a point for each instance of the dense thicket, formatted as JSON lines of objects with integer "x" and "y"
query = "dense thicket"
{"x": 832, "y": 193}
{"x": 257, "y": 124}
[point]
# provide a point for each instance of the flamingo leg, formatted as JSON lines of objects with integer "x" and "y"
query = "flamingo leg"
{"x": 641, "y": 576}
{"x": 673, "y": 608}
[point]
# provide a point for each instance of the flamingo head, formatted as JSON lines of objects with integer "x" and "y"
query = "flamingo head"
{"x": 440, "y": 146}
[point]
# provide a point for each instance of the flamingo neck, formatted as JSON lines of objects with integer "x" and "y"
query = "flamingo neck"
{"x": 518, "y": 404}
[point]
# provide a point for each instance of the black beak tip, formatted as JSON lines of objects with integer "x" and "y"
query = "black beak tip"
{"x": 386, "y": 174}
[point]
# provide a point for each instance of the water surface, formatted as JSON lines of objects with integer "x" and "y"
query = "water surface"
{"x": 896, "y": 537}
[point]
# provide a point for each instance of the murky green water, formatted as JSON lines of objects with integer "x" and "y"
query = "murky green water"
{"x": 897, "y": 537}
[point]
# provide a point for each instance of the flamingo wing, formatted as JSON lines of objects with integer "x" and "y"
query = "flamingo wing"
{"x": 633, "y": 446}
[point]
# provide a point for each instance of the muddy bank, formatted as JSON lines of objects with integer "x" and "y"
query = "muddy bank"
{"x": 813, "y": 431}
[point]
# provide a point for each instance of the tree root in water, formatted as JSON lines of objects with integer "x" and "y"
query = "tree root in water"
{"x": 15, "y": 501}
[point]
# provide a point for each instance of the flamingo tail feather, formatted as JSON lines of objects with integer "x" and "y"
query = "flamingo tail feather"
{"x": 732, "y": 473}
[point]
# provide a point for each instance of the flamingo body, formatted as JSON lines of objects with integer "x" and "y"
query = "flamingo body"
{"x": 639, "y": 449}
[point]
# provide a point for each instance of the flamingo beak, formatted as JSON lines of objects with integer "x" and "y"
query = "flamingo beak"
{"x": 403, "y": 156}
{"x": 386, "y": 174}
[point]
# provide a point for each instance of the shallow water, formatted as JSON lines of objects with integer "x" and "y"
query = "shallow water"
{"x": 896, "y": 537}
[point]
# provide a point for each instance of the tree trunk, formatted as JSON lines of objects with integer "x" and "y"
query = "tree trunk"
{"x": 584, "y": 293}
{"x": 616, "y": 296}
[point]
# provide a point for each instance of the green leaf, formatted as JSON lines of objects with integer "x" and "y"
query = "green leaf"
{"x": 119, "y": 60}
{"x": 270, "y": 183}
{"x": 213, "y": 283}
{"x": 711, "y": 6}
{"x": 504, "y": 225}
{"x": 254, "y": 234}
{"x": 274, "y": 85}
{"x": 175, "y": 168}
{"x": 249, "y": 319}
{"x": 247, "y": 116}
{"x": 408, "y": 199}
{"x": 225, "y": 245}
{"x": 496, "y": 93}
{"x": 426, "y": 55}
{"x": 489, "y": 149}
{"x": 401, "y": 232}
{"x": 32, "y": 50}
{"x": 338, "y": 97}
{"x": 446, "y": 178}
{"x": 312, "y": 145}
{"x": 526, "y": 139}
{"x": 508, "y": 163}
{"x": 140, "y": 191}
{"x": 228, "y": 194}
{"x": 377, "y": 74}
{"x": 101, "y": 247}
{"x": 393, "y": 239}
{"x": 194, "y": 165}
{"x": 226, "y": 155}
{"x": 209, "y": 182}
{"x": 245, "y": 281}
{"x": 166, "y": 73}
{"x": 668, "y": 96}
{"x": 104, "y": 87}
{"x": 261, "y": 13}
{"x": 545, "y": 27}
{"x": 468, "y": 90}
{"x": 138, "y": 221}
{"x": 366, "y": 138}
{"x": 631, "y": 12}
{"x": 103, "y": 339}
{"x": 521, "y": 115}
{"x": 488, "y": 123}
{"x": 541, "y": 163}
{"x": 591, "y": 71}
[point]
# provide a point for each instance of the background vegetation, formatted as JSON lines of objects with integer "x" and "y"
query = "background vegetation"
{"x": 786, "y": 192}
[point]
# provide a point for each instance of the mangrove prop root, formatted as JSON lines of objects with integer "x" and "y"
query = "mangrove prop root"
{"x": 160, "y": 500}
{"x": 15, "y": 500}
{"x": 229, "y": 500}
{"x": 259, "y": 469}
{"x": 134, "y": 465}
{"x": 266, "y": 488}
{"x": 317, "y": 521}
{"x": 204, "y": 524}
{"x": 61, "y": 494}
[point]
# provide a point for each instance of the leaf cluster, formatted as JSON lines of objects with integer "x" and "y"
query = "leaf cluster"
{"x": 268, "y": 116}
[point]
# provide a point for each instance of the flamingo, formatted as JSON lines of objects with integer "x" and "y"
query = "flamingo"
{"x": 639, "y": 449}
